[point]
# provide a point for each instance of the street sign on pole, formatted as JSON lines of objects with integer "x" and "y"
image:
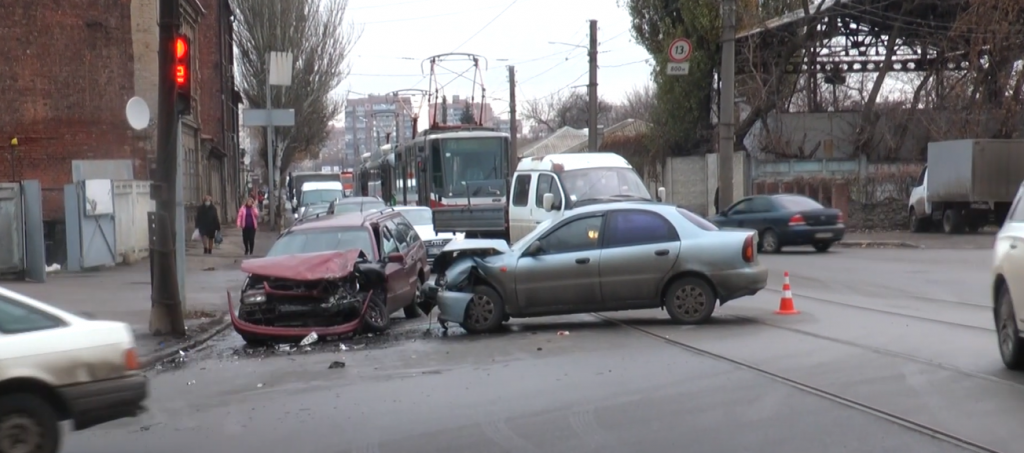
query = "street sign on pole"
{"x": 679, "y": 53}
{"x": 264, "y": 117}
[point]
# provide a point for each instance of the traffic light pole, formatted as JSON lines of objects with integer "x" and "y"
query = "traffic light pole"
{"x": 166, "y": 313}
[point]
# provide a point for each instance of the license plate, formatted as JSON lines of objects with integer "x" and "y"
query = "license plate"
{"x": 823, "y": 235}
{"x": 433, "y": 250}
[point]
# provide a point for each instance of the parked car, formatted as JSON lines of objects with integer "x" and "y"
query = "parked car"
{"x": 1008, "y": 284}
{"x": 56, "y": 366}
{"x": 296, "y": 290}
{"x": 607, "y": 257}
{"x": 422, "y": 220}
{"x": 339, "y": 206}
{"x": 785, "y": 220}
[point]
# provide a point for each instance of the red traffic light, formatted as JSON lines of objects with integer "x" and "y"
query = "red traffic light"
{"x": 180, "y": 47}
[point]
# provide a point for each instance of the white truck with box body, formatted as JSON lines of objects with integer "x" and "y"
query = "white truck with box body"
{"x": 966, "y": 185}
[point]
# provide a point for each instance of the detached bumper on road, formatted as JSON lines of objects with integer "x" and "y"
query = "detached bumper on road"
{"x": 452, "y": 306}
{"x": 733, "y": 284}
{"x": 807, "y": 235}
{"x": 104, "y": 401}
{"x": 253, "y": 331}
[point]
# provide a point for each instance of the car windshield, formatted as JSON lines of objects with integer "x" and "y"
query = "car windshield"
{"x": 419, "y": 216}
{"x": 474, "y": 160}
{"x": 792, "y": 203}
{"x": 314, "y": 210}
{"x": 598, "y": 183}
{"x": 345, "y": 208}
{"x": 326, "y": 240}
{"x": 321, "y": 196}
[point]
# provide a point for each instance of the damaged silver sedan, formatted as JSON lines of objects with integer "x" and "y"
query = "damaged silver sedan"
{"x": 609, "y": 257}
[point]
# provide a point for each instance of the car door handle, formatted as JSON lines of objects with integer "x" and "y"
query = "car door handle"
{"x": 662, "y": 252}
{"x": 582, "y": 260}
{"x": 1013, "y": 245}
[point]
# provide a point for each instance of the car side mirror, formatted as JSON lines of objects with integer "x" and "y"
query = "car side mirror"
{"x": 396, "y": 258}
{"x": 534, "y": 249}
{"x": 661, "y": 194}
{"x": 549, "y": 202}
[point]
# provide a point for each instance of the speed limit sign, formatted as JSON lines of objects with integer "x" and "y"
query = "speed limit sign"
{"x": 680, "y": 50}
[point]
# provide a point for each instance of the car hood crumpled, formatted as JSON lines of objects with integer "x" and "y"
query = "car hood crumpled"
{"x": 468, "y": 247}
{"x": 306, "y": 267}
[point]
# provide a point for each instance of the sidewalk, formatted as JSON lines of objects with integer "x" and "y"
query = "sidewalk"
{"x": 122, "y": 293}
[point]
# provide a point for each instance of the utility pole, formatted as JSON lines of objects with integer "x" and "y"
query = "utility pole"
{"x": 592, "y": 88}
{"x": 726, "y": 116}
{"x": 166, "y": 312}
{"x": 513, "y": 160}
{"x": 271, "y": 156}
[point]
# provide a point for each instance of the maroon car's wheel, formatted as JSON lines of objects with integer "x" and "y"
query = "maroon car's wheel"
{"x": 690, "y": 301}
{"x": 376, "y": 319}
{"x": 485, "y": 311}
{"x": 27, "y": 425}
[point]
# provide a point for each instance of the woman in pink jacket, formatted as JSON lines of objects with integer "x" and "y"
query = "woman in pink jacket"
{"x": 248, "y": 217}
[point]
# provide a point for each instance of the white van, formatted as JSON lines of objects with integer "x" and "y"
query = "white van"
{"x": 571, "y": 180}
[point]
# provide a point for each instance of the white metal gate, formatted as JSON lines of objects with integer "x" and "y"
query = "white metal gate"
{"x": 12, "y": 234}
{"x": 90, "y": 220}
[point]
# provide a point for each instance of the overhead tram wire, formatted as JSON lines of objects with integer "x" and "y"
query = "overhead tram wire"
{"x": 510, "y": 5}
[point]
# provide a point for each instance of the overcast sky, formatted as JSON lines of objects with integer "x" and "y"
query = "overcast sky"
{"x": 398, "y": 34}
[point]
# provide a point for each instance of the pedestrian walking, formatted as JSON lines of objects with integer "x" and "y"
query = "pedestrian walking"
{"x": 291, "y": 186}
{"x": 208, "y": 223}
{"x": 248, "y": 217}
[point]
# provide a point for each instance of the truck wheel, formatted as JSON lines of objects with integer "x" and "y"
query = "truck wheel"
{"x": 953, "y": 221}
{"x": 28, "y": 423}
{"x": 918, "y": 224}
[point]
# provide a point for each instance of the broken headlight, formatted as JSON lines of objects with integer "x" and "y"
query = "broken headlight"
{"x": 254, "y": 297}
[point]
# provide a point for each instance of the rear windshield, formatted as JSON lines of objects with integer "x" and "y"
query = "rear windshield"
{"x": 358, "y": 207}
{"x": 315, "y": 241}
{"x": 792, "y": 203}
{"x": 697, "y": 220}
{"x": 321, "y": 196}
{"x": 419, "y": 216}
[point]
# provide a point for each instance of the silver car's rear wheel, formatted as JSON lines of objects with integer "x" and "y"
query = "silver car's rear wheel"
{"x": 485, "y": 311}
{"x": 690, "y": 300}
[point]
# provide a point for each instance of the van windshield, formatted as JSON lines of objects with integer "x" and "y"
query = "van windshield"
{"x": 601, "y": 183}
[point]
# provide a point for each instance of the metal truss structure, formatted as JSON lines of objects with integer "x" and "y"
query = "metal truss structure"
{"x": 851, "y": 36}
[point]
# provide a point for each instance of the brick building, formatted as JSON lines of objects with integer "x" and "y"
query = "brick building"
{"x": 72, "y": 68}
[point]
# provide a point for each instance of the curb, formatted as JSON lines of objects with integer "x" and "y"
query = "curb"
{"x": 148, "y": 361}
{"x": 878, "y": 244}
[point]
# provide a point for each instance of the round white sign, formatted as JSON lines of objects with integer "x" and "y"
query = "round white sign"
{"x": 680, "y": 50}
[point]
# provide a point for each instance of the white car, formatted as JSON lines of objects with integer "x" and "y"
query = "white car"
{"x": 1008, "y": 285}
{"x": 422, "y": 219}
{"x": 55, "y": 367}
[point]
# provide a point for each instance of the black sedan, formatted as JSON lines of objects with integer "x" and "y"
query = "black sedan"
{"x": 785, "y": 220}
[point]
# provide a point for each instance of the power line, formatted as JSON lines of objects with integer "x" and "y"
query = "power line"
{"x": 486, "y": 25}
{"x": 384, "y": 75}
{"x": 628, "y": 64}
{"x": 565, "y": 87}
{"x": 549, "y": 69}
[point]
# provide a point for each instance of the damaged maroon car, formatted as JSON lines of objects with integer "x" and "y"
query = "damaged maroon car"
{"x": 331, "y": 293}
{"x": 335, "y": 276}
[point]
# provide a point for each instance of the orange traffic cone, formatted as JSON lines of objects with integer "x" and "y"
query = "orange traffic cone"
{"x": 786, "y": 304}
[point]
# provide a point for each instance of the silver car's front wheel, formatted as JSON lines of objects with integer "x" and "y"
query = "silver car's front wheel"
{"x": 485, "y": 311}
{"x": 1011, "y": 347}
{"x": 690, "y": 300}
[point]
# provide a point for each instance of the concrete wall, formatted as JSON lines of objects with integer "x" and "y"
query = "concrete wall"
{"x": 690, "y": 181}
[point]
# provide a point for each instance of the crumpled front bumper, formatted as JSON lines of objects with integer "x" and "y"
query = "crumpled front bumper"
{"x": 451, "y": 306}
{"x": 286, "y": 333}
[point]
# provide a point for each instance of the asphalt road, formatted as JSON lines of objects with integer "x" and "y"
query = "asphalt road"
{"x": 894, "y": 351}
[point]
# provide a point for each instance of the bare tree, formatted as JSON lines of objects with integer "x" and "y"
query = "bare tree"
{"x": 573, "y": 110}
{"x": 315, "y": 32}
{"x": 638, "y": 104}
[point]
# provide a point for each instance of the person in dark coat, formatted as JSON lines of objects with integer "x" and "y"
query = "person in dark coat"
{"x": 716, "y": 201}
{"x": 208, "y": 223}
